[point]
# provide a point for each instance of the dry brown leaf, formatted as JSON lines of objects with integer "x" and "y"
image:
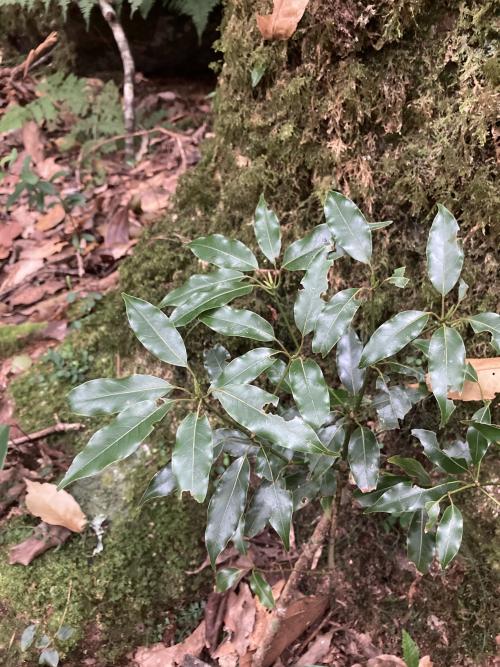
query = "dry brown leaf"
{"x": 41, "y": 251}
{"x": 32, "y": 140}
{"x": 283, "y": 21}
{"x": 57, "y": 508}
{"x": 51, "y": 219}
{"x": 33, "y": 293}
{"x": 488, "y": 385}
{"x": 163, "y": 656}
{"x": 425, "y": 662}
{"x": 44, "y": 537}
{"x": 385, "y": 661}
{"x": 117, "y": 230}
{"x": 317, "y": 650}
{"x": 18, "y": 272}
{"x": 8, "y": 232}
{"x": 48, "y": 168}
{"x": 239, "y": 620}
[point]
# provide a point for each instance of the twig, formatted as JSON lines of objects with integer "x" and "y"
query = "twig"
{"x": 121, "y": 40}
{"x": 57, "y": 428}
{"x": 302, "y": 565}
{"x": 33, "y": 56}
{"x": 130, "y": 135}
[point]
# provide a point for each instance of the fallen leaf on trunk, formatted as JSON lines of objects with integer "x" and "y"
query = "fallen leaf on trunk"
{"x": 44, "y": 537}
{"x": 160, "y": 655}
{"x": 51, "y": 219}
{"x": 58, "y": 508}
{"x": 283, "y": 21}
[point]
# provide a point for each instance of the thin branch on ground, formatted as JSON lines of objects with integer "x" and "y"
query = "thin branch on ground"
{"x": 44, "y": 432}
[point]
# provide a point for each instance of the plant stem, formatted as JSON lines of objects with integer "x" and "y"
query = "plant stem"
{"x": 283, "y": 314}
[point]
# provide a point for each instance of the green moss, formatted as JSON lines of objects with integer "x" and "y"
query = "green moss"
{"x": 122, "y": 594}
{"x": 13, "y": 337}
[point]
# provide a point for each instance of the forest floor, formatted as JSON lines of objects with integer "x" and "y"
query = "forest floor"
{"x": 59, "y": 253}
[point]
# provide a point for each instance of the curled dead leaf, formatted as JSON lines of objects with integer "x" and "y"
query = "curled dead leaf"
{"x": 51, "y": 219}
{"x": 44, "y": 537}
{"x": 283, "y": 21}
{"x": 160, "y": 655}
{"x": 55, "y": 507}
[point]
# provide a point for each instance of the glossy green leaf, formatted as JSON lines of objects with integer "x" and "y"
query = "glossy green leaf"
{"x": 233, "y": 442}
{"x": 363, "y": 455}
{"x": 208, "y": 300}
{"x": 243, "y": 323}
{"x": 298, "y": 255}
{"x": 192, "y": 455}
{"x": 27, "y": 637}
{"x": 215, "y": 360}
{"x": 458, "y": 450}
{"x": 403, "y": 497}
{"x": 405, "y": 369}
{"x": 226, "y": 507}
{"x": 420, "y": 545}
{"x": 238, "y": 537}
{"x": 257, "y": 73}
{"x": 463, "y": 288}
{"x": 278, "y": 375}
{"x": 262, "y": 590}
{"x": 107, "y": 396}
{"x": 244, "y": 404}
{"x": 334, "y": 319}
{"x": 161, "y": 485}
{"x": 4, "y": 443}
{"x": 489, "y": 322}
{"x": 247, "y": 367}
{"x": 201, "y": 282}
{"x": 411, "y": 654}
{"x": 155, "y": 331}
{"x": 349, "y": 350}
{"x": 306, "y": 310}
{"x": 227, "y": 578}
{"x": 490, "y": 431}
{"x": 348, "y": 226}
{"x": 422, "y": 345}
{"x": 223, "y": 252}
{"x": 332, "y": 437}
{"x": 267, "y": 230}
{"x": 380, "y": 225}
{"x": 446, "y": 367}
{"x": 49, "y": 657}
{"x": 116, "y": 441}
{"x": 398, "y": 278}
{"x": 43, "y": 642}
{"x": 391, "y": 404}
{"x": 436, "y": 455}
{"x": 412, "y": 468}
{"x": 267, "y": 465}
{"x": 64, "y": 633}
{"x": 309, "y": 391}
{"x": 393, "y": 336}
{"x": 449, "y": 535}
{"x": 315, "y": 279}
{"x": 433, "y": 510}
{"x": 272, "y": 503}
{"x": 445, "y": 256}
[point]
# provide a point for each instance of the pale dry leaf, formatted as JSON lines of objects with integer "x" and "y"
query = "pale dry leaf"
{"x": 51, "y": 219}
{"x": 57, "y": 508}
{"x": 425, "y": 662}
{"x": 25, "y": 296}
{"x": 8, "y": 232}
{"x": 32, "y": 140}
{"x": 316, "y": 651}
{"x": 385, "y": 661}
{"x": 19, "y": 272}
{"x": 160, "y": 655}
{"x": 48, "y": 168}
{"x": 283, "y": 21}
{"x": 488, "y": 384}
{"x": 41, "y": 251}
{"x": 239, "y": 618}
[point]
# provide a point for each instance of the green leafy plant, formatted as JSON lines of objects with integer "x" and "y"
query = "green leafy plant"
{"x": 280, "y": 412}
{"x": 46, "y": 646}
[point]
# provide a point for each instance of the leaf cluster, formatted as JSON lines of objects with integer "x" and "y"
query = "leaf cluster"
{"x": 271, "y": 427}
